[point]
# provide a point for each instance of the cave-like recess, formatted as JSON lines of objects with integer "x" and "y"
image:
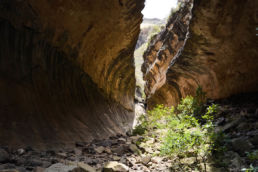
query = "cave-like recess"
{"x": 66, "y": 70}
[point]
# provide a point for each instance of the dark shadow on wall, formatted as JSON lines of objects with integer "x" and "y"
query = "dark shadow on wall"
{"x": 46, "y": 100}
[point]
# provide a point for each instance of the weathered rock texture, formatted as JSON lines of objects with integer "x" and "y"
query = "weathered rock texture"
{"x": 66, "y": 70}
{"x": 220, "y": 55}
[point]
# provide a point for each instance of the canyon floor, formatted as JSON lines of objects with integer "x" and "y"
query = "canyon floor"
{"x": 237, "y": 118}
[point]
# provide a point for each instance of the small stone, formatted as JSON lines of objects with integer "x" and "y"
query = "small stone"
{"x": 114, "y": 166}
{"x": 145, "y": 169}
{"x": 39, "y": 169}
{"x": 148, "y": 149}
{"x": 116, "y": 158}
{"x": 61, "y": 155}
{"x": 46, "y": 164}
{"x": 4, "y": 156}
{"x": 108, "y": 150}
{"x": 107, "y": 143}
{"x": 134, "y": 148}
{"x": 150, "y": 141}
{"x": 9, "y": 170}
{"x": 60, "y": 167}
{"x": 146, "y": 159}
{"x": 99, "y": 167}
{"x": 188, "y": 161}
{"x": 34, "y": 162}
{"x": 156, "y": 160}
{"x": 89, "y": 161}
{"x": 119, "y": 150}
{"x": 20, "y": 151}
{"x": 123, "y": 160}
{"x": 77, "y": 151}
{"x": 121, "y": 139}
{"x": 99, "y": 149}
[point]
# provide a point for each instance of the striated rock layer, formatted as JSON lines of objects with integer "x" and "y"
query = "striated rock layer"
{"x": 66, "y": 70}
{"x": 220, "y": 53}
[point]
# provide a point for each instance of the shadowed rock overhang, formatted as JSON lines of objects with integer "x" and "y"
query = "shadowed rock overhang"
{"x": 220, "y": 53}
{"x": 66, "y": 70}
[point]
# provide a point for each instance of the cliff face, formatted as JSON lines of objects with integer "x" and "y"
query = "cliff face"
{"x": 220, "y": 54}
{"x": 66, "y": 70}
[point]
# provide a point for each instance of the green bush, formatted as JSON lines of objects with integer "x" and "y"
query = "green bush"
{"x": 252, "y": 155}
{"x": 187, "y": 128}
{"x": 185, "y": 132}
{"x": 250, "y": 169}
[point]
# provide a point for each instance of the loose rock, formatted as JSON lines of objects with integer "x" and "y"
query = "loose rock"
{"x": 114, "y": 166}
{"x": 99, "y": 149}
{"x": 146, "y": 159}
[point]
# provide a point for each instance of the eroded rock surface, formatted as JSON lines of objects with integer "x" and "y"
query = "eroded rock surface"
{"x": 66, "y": 70}
{"x": 220, "y": 54}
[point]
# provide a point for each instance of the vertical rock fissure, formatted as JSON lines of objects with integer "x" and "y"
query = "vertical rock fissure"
{"x": 166, "y": 48}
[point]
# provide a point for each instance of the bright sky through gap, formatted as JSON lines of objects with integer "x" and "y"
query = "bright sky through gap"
{"x": 158, "y": 8}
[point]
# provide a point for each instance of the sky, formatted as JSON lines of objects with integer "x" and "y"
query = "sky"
{"x": 158, "y": 8}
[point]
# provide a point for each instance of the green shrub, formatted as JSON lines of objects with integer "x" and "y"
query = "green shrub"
{"x": 187, "y": 128}
{"x": 252, "y": 155}
{"x": 185, "y": 132}
{"x": 250, "y": 169}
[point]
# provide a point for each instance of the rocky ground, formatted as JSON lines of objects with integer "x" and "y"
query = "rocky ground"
{"x": 237, "y": 119}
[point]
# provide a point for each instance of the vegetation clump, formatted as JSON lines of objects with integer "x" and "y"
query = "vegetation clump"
{"x": 184, "y": 130}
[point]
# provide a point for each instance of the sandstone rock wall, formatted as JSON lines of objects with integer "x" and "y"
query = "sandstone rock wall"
{"x": 220, "y": 54}
{"x": 66, "y": 70}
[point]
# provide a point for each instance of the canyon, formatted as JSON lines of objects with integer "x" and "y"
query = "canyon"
{"x": 67, "y": 71}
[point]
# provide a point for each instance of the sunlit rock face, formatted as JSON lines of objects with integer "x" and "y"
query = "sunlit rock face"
{"x": 66, "y": 70}
{"x": 220, "y": 53}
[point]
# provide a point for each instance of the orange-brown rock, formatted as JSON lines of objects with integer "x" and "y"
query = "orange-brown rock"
{"x": 220, "y": 54}
{"x": 66, "y": 70}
